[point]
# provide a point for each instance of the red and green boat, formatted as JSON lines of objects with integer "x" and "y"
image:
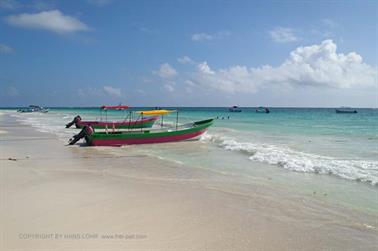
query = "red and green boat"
{"x": 143, "y": 136}
{"x": 127, "y": 123}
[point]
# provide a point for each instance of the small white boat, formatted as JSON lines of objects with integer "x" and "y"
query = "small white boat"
{"x": 234, "y": 108}
{"x": 345, "y": 110}
{"x": 262, "y": 109}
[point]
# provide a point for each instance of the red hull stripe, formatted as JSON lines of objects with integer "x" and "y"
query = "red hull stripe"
{"x": 131, "y": 141}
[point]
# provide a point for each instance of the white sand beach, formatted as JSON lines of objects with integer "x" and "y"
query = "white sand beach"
{"x": 57, "y": 197}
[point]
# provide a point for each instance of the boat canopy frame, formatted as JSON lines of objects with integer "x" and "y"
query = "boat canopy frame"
{"x": 105, "y": 108}
{"x": 129, "y": 116}
{"x": 160, "y": 112}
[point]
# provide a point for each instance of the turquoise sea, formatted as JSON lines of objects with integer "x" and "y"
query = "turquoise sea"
{"x": 306, "y": 149}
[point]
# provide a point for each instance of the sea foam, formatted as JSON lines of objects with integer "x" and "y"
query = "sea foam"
{"x": 285, "y": 157}
{"x": 51, "y": 123}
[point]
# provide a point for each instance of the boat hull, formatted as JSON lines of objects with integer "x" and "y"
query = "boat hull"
{"x": 141, "y": 123}
{"x": 346, "y": 111}
{"x": 234, "y": 109}
{"x": 147, "y": 137}
{"x": 151, "y": 140}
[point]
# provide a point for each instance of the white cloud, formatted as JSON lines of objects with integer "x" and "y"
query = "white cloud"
{"x": 200, "y": 37}
{"x": 5, "y": 49}
{"x": 317, "y": 65}
{"x": 234, "y": 79}
{"x": 166, "y": 71}
{"x": 185, "y": 60}
{"x": 112, "y": 91}
{"x": 205, "y": 69}
{"x": 170, "y": 86}
{"x": 52, "y": 20}
{"x": 283, "y": 35}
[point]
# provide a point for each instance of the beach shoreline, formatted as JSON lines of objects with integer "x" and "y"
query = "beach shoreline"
{"x": 56, "y": 197}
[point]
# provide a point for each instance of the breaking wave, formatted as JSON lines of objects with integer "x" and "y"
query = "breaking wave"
{"x": 358, "y": 170}
{"x": 54, "y": 124}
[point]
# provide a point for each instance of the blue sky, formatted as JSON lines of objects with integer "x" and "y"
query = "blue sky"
{"x": 188, "y": 53}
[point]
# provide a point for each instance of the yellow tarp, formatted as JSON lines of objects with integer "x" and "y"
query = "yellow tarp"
{"x": 156, "y": 112}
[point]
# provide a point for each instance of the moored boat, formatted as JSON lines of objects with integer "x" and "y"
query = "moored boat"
{"x": 148, "y": 136}
{"x": 262, "y": 109}
{"x": 127, "y": 123}
{"x": 345, "y": 110}
{"x": 234, "y": 108}
{"x": 143, "y": 136}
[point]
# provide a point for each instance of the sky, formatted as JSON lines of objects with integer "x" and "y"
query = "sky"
{"x": 189, "y": 53}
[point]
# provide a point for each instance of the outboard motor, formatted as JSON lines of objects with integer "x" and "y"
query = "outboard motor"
{"x": 86, "y": 131}
{"x": 75, "y": 121}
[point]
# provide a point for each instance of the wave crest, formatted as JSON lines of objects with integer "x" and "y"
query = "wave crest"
{"x": 359, "y": 170}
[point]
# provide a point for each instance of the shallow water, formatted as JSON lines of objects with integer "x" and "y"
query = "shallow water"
{"x": 312, "y": 150}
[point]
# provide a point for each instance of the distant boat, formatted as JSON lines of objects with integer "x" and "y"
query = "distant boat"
{"x": 234, "y": 108}
{"x": 33, "y": 108}
{"x": 345, "y": 110}
{"x": 262, "y": 110}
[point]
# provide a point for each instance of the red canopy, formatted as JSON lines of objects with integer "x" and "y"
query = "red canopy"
{"x": 115, "y": 107}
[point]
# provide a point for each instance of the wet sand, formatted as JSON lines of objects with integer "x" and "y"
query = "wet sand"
{"x": 55, "y": 197}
